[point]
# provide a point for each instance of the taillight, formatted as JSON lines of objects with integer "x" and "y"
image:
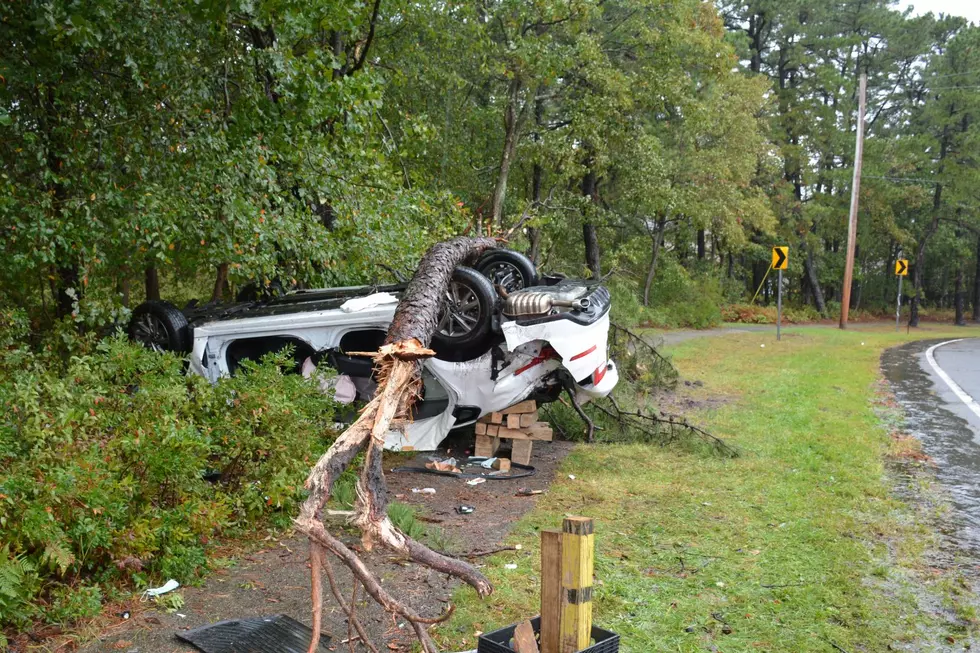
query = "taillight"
{"x": 599, "y": 373}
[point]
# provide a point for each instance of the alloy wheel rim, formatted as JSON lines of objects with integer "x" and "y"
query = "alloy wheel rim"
{"x": 461, "y": 311}
{"x": 505, "y": 275}
{"x": 151, "y": 332}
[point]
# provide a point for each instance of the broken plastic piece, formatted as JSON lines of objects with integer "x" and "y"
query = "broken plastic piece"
{"x": 476, "y": 481}
{"x": 425, "y": 490}
{"x": 488, "y": 463}
{"x": 447, "y": 465}
{"x": 465, "y": 510}
{"x": 154, "y": 592}
{"x": 362, "y": 303}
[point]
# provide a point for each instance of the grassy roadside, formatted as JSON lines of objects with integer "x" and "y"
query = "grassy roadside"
{"x": 782, "y": 549}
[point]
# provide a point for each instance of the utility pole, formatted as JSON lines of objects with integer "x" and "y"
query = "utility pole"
{"x": 845, "y": 302}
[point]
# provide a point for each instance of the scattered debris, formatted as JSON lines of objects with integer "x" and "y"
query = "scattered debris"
{"x": 478, "y": 554}
{"x": 510, "y": 565}
{"x": 571, "y": 476}
{"x": 476, "y": 481}
{"x": 526, "y": 492}
{"x": 425, "y": 490}
{"x": 524, "y": 641}
{"x": 275, "y": 634}
{"x": 447, "y": 465}
{"x": 465, "y": 510}
{"x": 154, "y": 592}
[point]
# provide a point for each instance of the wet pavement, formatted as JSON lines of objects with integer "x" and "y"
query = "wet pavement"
{"x": 947, "y": 427}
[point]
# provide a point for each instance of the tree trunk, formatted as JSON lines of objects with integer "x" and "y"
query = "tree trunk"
{"x": 591, "y": 239}
{"x": 589, "y": 234}
{"x": 811, "y": 274}
{"x": 68, "y": 284}
{"x": 731, "y": 265}
{"x": 758, "y": 274}
{"x": 701, "y": 245}
{"x": 534, "y": 233}
{"x": 976, "y": 286}
{"x": 124, "y": 290}
{"x": 152, "y": 282}
{"x": 220, "y": 283}
{"x": 658, "y": 239}
{"x": 920, "y": 253}
{"x": 400, "y": 362}
{"x": 920, "y": 257}
{"x": 512, "y": 119}
{"x": 958, "y": 298}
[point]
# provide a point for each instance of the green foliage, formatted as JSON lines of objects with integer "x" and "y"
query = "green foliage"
{"x": 678, "y": 299}
{"x": 105, "y": 454}
{"x": 756, "y": 314}
{"x": 19, "y": 583}
{"x": 171, "y": 602}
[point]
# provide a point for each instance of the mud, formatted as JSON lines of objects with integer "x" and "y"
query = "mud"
{"x": 275, "y": 579}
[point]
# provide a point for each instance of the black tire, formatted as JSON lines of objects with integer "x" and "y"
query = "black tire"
{"x": 160, "y": 326}
{"x": 470, "y": 302}
{"x": 508, "y": 269}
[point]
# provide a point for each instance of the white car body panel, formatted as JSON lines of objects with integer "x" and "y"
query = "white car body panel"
{"x": 527, "y": 360}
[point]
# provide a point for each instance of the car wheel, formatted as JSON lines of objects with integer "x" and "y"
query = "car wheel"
{"x": 467, "y": 310}
{"x": 508, "y": 269}
{"x": 160, "y": 326}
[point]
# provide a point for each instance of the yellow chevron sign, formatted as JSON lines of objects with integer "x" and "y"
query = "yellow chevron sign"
{"x": 780, "y": 258}
{"x": 902, "y": 267}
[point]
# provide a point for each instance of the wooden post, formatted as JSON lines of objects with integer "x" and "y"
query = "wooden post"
{"x": 577, "y": 548}
{"x": 551, "y": 594}
{"x": 845, "y": 300}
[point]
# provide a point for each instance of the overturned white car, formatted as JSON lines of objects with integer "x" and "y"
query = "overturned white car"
{"x": 530, "y": 338}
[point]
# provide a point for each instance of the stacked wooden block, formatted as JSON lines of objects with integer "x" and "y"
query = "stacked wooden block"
{"x": 520, "y": 424}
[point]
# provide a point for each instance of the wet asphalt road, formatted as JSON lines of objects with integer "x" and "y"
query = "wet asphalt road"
{"x": 942, "y": 420}
{"x": 960, "y": 362}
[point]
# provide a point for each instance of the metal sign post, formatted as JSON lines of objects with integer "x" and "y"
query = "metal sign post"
{"x": 898, "y": 303}
{"x": 901, "y": 270}
{"x": 780, "y": 259}
{"x": 779, "y": 304}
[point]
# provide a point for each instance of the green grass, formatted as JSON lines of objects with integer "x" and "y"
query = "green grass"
{"x": 797, "y": 545}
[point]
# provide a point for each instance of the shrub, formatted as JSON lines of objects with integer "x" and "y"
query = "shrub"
{"x": 677, "y": 299}
{"x": 119, "y": 468}
{"x": 754, "y": 314}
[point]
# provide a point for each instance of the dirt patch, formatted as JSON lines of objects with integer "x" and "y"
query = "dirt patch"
{"x": 276, "y": 579}
{"x": 689, "y": 397}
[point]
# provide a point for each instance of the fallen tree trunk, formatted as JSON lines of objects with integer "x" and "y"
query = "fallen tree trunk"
{"x": 400, "y": 363}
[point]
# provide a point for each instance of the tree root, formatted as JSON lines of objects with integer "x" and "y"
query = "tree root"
{"x": 399, "y": 361}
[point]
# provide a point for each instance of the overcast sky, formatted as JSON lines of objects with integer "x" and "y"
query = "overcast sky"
{"x": 970, "y": 9}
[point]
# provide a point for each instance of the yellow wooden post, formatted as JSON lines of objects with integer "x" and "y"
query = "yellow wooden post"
{"x": 577, "y": 549}
{"x": 551, "y": 594}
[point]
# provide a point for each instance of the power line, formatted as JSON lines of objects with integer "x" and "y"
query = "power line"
{"x": 969, "y": 72}
{"x": 908, "y": 179}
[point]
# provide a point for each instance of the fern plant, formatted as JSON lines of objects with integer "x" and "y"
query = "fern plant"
{"x": 19, "y": 584}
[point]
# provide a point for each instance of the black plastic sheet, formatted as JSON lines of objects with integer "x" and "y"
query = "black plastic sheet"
{"x": 275, "y": 634}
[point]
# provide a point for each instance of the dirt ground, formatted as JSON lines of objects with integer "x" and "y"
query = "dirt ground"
{"x": 276, "y": 579}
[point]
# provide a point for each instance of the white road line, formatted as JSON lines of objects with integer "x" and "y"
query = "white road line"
{"x": 970, "y": 402}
